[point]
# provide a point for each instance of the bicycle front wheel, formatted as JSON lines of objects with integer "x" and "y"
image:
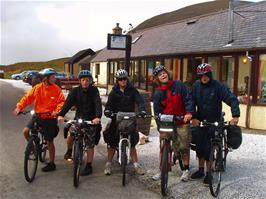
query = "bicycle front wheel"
{"x": 215, "y": 168}
{"x": 31, "y": 160}
{"x": 124, "y": 161}
{"x": 77, "y": 160}
{"x": 43, "y": 150}
{"x": 165, "y": 169}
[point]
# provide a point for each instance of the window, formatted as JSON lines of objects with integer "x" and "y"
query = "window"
{"x": 136, "y": 74}
{"x": 228, "y": 72}
{"x": 97, "y": 69}
{"x": 262, "y": 80}
{"x": 215, "y": 62}
{"x": 243, "y": 79}
{"x": 150, "y": 77}
{"x": 111, "y": 73}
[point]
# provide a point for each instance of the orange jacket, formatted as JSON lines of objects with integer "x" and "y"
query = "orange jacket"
{"x": 46, "y": 99}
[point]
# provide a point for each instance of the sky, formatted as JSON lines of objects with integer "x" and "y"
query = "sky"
{"x": 45, "y": 30}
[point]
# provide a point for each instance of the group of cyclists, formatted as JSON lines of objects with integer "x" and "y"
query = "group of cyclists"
{"x": 202, "y": 102}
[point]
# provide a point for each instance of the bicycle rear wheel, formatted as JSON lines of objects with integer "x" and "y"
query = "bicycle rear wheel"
{"x": 124, "y": 161}
{"x": 165, "y": 169}
{"x": 31, "y": 159}
{"x": 215, "y": 174}
{"x": 77, "y": 160}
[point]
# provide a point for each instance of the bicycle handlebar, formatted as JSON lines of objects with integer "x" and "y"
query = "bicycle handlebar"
{"x": 32, "y": 112}
{"x": 206, "y": 123}
{"x": 80, "y": 121}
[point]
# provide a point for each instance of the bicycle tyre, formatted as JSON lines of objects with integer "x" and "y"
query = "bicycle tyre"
{"x": 215, "y": 174}
{"x": 31, "y": 154}
{"x": 43, "y": 150}
{"x": 76, "y": 163}
{"x": 124, "y": 161}
{"x": 164, "y": 170}
{"x": 225, "y": 152}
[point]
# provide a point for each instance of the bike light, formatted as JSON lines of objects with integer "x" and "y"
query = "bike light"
{"x": 165, "y": 130}
{"x": 216, "y": 123}
{"x": 126, "y": 117}
{"x": 80, "y": 121}
{"x": 32, "y": 112}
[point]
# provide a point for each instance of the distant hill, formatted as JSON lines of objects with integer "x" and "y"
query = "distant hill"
{"x": 187, "y": 12}
{"x": 57, "y": 64}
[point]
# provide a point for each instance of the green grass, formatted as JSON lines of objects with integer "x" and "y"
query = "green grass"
{"x": 57, "y": 64}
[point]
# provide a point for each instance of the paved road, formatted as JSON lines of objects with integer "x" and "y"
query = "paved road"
{"x": 57, "y": 184}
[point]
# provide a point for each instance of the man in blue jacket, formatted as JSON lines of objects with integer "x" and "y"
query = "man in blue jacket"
{"x": 207, "y": 96}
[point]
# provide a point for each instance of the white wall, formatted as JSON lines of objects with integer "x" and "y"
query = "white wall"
{"x": 102, "y": 77}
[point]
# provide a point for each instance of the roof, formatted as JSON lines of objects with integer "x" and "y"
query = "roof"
{"x": 80, "y": 55}
{"x": 187, "y": 12}
{"x": 86, "y": 61}
{"x": 203, "y": 34}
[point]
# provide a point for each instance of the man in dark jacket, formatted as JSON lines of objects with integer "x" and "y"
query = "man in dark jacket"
{"x": 87, "y": 100}
{"x": 173, "y": 98}
{"x": 122, "y": 98}
{"x": 207, "y": 96}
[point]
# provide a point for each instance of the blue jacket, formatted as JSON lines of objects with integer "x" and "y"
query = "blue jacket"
{"x": 208, "y": 100}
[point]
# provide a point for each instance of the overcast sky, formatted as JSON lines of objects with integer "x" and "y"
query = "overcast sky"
{"x": 45, "y": 30}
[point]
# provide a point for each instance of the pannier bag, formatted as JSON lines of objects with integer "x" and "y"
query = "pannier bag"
{"x": 234, "y": 136}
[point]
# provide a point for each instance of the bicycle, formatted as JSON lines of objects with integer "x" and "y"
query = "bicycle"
{"x": 78, "y": 132}
{"x": 168, "y": 126}
{"x": 126, "y": 125}
{"x": 218, "y": 154}
{"x": 36, "y": 148}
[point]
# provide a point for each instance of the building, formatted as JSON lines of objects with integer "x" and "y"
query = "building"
{"x": 235, "y": 46}
{"x": 72, "y": 66}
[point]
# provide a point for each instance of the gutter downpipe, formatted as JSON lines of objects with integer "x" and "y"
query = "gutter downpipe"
{"x": 249, "y": 91}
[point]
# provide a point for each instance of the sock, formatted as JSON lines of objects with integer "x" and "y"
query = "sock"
{"x": 88, "y": 164}
{"x": 186, "y": 167}
{"x": 69, "y": 151}
{"x": 136, "y": 164}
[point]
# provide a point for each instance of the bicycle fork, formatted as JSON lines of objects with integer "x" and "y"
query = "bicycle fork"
{"x": 127, "y": 149}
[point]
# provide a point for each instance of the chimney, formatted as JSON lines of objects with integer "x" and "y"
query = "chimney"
{"x": 231, "y": 21}
{"x": 117, "y": 30}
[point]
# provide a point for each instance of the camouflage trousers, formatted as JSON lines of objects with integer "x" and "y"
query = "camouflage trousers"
{"x": 182, "y": 139}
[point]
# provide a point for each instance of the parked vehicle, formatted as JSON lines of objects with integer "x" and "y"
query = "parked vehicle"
{"x": 60, "y": 75}
{"x": 19, "y": 76}
{"x": 2, "y": 73}
{"x": 29, "y": 76}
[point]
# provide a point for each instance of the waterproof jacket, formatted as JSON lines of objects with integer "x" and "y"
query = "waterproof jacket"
{"x": 124, "y": 101}
{"x": 87, "y": 101}
{"x": 172, "y": 99}
{"x": 208, "y": 100}
{"x": 46, "y": 98}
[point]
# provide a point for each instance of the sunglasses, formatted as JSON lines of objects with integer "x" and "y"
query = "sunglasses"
{"x": 122, "y": 79}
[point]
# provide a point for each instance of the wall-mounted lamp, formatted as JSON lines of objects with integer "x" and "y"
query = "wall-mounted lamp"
{"x": 245, "y": 60}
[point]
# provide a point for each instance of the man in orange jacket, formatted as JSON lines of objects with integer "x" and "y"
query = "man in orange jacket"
{"x": 47, "y": 98}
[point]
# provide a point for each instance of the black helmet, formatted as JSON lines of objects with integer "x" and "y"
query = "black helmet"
{"x": 84, "y": 73}
{"x": 158, "y": 69}
{"x": 234, "y": 136}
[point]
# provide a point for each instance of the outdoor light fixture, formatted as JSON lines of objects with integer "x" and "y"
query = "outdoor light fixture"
{"x": 244, "y": 60}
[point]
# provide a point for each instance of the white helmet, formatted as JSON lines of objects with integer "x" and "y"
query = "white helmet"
{"x": 121, "y": 73}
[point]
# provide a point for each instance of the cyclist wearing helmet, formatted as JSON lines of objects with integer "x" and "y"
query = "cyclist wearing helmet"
{"x": 173, "y": 98}
{"x": 207, "y": 97}
{"x": 122, "y": 98}
{"x": 87, "y": 100}
{"x": 47, "y": 98}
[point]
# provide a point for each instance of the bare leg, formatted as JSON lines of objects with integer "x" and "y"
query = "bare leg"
{"x": 51, "y": 149}
{"x": 26, "y": 133}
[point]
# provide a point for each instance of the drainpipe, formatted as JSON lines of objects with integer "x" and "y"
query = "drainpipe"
{"x": 249, "y": 91}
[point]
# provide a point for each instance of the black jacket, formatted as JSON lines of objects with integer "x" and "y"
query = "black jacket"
{"x": 87, "y": 102}
{"x": 124, "y": 101}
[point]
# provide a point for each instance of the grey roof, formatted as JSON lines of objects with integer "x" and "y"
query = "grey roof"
{"x": 209, "y": 33}
{"x": 80, "y": 55}
{"x": 87, "y": 60}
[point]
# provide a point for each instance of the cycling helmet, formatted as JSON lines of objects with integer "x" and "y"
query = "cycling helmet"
{"x": 234, "y": 136}
{"x": 84, "y": 73}
{"x": 47, "y": 72}
{"x": 158, "y": 69}
{"x": 204, "y": 68}
{"x": 121, "y": 73}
